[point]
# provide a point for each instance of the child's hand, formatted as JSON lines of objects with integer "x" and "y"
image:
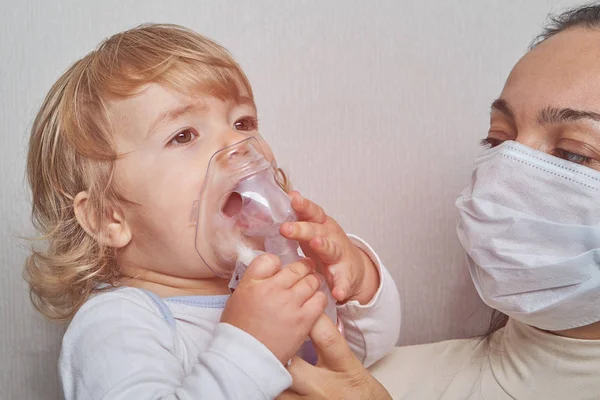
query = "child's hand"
{"x": 277, "y": 306}
{"x": 349, "y": 271}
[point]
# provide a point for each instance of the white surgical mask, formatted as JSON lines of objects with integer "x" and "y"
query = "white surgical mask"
{"x": 530, "y": 224}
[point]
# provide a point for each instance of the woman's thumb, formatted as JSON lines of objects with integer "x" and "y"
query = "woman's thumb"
{"x": 332, "y": 349}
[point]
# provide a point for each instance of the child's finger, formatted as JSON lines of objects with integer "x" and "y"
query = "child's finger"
{"x": 306, "y": 288}
{"x": 294, "y": 272}
{"x": 328, "y": 251}
{"x": 314, "y": 306}
{"x": 341, "y": 284}
{"x": 307, "y": 210}
{"x": 302, "y": 231}
{"x": 263, "y": 266}
{"x": 328, "y": 278}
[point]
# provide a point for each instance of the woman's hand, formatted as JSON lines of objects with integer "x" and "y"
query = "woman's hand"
{"x": 338, "y": 373}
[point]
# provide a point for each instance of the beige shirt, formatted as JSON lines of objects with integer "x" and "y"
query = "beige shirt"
{"x": 516, "y": 362}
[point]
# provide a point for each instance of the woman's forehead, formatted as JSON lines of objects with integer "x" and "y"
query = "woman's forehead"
{"x": 563, "y": 71}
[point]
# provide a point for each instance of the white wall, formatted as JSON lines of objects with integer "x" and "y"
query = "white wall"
{"x": 375, "y": 109}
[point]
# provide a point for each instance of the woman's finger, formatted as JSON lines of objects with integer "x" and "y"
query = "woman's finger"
{"x": 332, "y": 349}
{"x": 289, "y": 395}
{"x": 303, "y": 375}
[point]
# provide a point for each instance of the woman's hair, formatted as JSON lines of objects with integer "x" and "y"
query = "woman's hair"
{"x": 72, "y": 149}
{"x": 587, "y": 16}
{"x": 497, "y": 320}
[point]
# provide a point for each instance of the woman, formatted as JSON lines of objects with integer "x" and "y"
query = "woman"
{"x": 530, "y": 224}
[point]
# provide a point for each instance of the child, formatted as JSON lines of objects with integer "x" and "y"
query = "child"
{"x": 116, "y": 157}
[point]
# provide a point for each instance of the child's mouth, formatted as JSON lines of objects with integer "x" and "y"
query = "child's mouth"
{"x": 231, "y": 204}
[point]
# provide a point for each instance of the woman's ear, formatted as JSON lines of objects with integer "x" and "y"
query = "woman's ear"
{"x": 113, "y": 231}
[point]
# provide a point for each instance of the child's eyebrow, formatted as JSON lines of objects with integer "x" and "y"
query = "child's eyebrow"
{"x": 174, "y": 113}
{"x": 245, "y": 100}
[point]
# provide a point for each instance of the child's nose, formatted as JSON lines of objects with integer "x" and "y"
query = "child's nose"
{"x": 239, "y": 153}
{"x": 238, "y": 149}
{"x": 233, "y": 136}
{"x": 242, "y": 153}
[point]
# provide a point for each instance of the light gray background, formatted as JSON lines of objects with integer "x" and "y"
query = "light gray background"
{"x": 374, "y": 108}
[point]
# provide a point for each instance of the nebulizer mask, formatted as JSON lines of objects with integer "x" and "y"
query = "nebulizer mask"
{"x": 238, "y": 215}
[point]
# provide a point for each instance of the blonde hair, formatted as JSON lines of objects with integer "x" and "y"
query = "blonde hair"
{"x": 71, "y": 149}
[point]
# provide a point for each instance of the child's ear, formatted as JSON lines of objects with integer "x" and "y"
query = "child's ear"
{"x": 113, "y": 232}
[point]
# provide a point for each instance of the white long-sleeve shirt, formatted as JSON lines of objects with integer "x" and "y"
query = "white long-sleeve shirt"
{"x": 130, "y": 344}
{"x": 516, "y": 362}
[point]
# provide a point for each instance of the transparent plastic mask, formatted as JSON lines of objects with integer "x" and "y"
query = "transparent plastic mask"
{"x": 238, "y": 216}
{"x": 240, "y": 209}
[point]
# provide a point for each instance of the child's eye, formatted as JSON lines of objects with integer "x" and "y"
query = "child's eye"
{"x": 183, "y": 137}
{"x": 247, "y": 123}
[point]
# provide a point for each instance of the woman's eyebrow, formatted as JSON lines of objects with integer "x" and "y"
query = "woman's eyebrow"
{"x": 555, "y": 115}
{"x": 502, "y": 106}
{"x": 549, "y": 115}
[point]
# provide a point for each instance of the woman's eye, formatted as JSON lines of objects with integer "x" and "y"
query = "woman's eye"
{"x": 489, "y": 142}
{"x": 183, "y": 137}
{"x": 246, "y": 124}
{"x": 572, "y": 157}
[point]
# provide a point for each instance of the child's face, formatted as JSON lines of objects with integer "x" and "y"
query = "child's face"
{"x": 166, "y": 139}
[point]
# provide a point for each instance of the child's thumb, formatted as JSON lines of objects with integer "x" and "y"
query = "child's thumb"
{"x": 263, "y": 267}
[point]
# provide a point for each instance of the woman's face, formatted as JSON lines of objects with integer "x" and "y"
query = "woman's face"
{"x": 551, "y": 103}
{"x": 551, "y": 100}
